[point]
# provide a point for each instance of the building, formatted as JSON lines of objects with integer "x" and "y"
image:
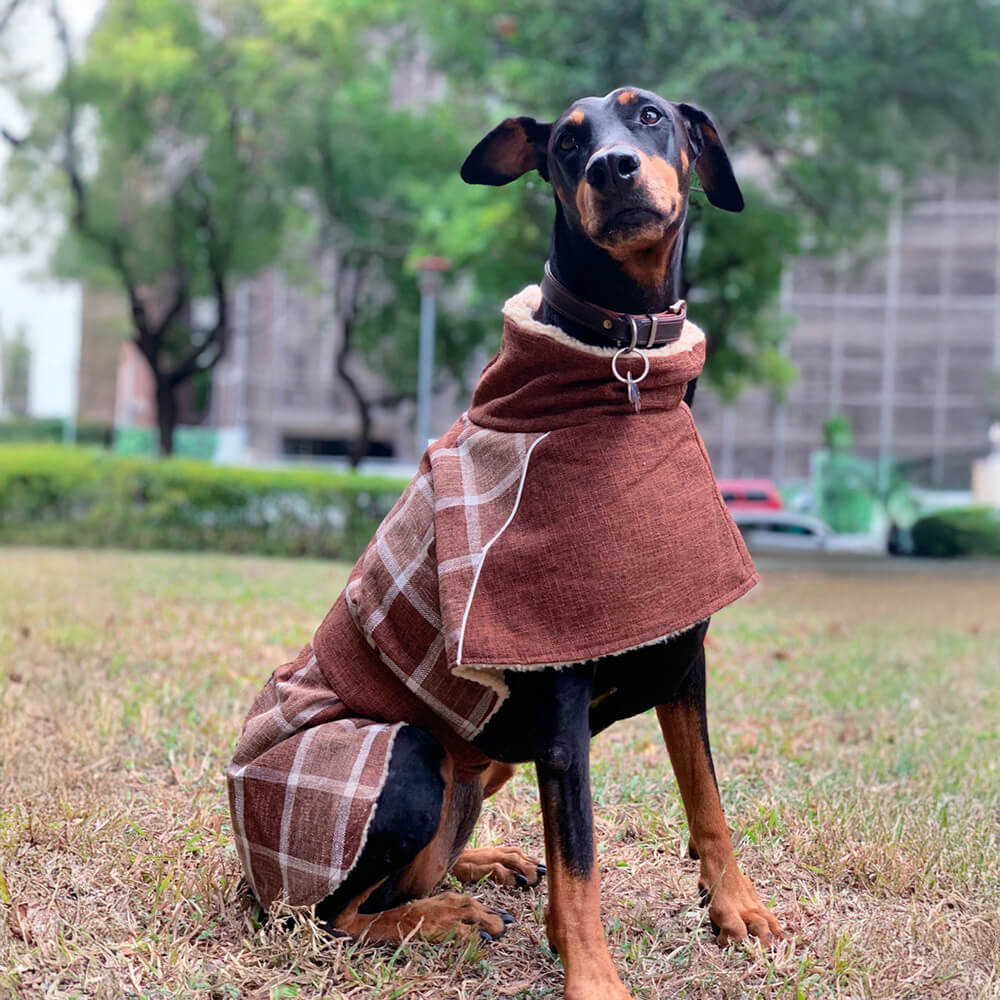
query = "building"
{"x": 276, "y": 394}
{"x": 901, "y": 345}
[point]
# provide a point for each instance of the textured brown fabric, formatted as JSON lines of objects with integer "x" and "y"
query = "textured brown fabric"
{"x": 550, "y": 525}
{"x": 302, "y": 785}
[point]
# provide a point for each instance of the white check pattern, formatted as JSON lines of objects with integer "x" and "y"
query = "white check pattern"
{"x": 303, "y": 784}
{"x": 410, "y": 591}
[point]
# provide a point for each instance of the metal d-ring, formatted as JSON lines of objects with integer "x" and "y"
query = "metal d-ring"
{"x": 629, "y": 377}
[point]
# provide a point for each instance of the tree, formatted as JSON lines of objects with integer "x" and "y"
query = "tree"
{"x": 172, "y": 105}
{"x": 366, "y": 163}
{"x": 15, "y": 364}
{"x": 833, "y": 107}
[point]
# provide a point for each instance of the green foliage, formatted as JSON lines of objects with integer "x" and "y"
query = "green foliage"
{"x": 236, "y": 133}
{"x": 837, "y": 105}
{"x": 69, "y": 496}
{"x": 837, "y": 434}
{"x": 960, "y": 531}
{"x": 179, "y": 108}
{"x": 368, "y": 165}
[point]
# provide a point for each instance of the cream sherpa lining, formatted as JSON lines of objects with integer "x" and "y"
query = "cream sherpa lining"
{"x": 520, "y": 310}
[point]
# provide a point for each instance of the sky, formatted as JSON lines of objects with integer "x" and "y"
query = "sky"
{"x": 48, "y": 310}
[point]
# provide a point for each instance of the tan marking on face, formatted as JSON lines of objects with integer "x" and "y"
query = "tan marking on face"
{"x": 661, "y": 181}
{"x": 645, "y": 255}
{"x": 646, "y": 266}
{"x": 685, "y": 160}
{"x": 586, "y": 207}
{"x": 643, "y": 252}
{"x": 628, "y": 97}
{"x": 576, "y": 117}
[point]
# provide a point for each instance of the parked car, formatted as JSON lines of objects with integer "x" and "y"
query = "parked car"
{"x": 787, "y": 531}
{"x": 750, "y": 494}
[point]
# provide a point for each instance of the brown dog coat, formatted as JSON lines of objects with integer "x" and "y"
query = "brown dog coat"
{"x": 550, "y": 525}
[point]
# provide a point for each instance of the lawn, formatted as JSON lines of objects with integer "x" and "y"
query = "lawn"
{"x": 855, "y": 714}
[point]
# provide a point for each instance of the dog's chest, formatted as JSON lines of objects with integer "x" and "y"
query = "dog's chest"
{"x": 529, "y": 720}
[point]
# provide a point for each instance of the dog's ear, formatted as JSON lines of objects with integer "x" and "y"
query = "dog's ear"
{"x": 711, "y": 160}
{"x": 514, "y": 147}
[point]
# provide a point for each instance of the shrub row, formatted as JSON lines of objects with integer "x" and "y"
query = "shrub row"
{"x": 961, "y": 531}
{"x": 71, "y": 496}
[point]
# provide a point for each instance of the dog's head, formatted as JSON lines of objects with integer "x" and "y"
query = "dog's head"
{"x": 620, "y": 165}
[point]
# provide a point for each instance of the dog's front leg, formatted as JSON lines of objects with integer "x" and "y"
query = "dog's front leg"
{"x": 573, "y": 920}
{"x": 734, "y": 906}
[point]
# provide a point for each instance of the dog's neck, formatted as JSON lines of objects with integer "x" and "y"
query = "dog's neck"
{"x": 592, "y": 274}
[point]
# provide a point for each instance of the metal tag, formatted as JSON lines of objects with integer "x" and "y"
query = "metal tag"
{"x": 633, "y": 392}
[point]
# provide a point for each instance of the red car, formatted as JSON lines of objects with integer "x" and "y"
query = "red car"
{"x": 750, "y": 494}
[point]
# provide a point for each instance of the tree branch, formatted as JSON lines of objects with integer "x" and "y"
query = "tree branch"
{"x": 772, "y": 153}
{"x": 8, "y": 13}
{"x": 145, "y": 338}
{"x": 360, "y": 447}
{"x": 218, "y": 336}
{"x": 183, "y": 286}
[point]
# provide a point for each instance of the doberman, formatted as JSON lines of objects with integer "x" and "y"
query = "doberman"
{"x": 620, "y": 167}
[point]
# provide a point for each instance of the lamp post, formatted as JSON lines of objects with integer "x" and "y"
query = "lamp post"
{"x": 430, "y": 272}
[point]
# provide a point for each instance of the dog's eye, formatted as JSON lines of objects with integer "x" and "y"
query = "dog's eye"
{"x": 567, "y": 142}
{"x": 649, "y": 116}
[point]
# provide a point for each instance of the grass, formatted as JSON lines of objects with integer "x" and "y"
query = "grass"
{"x": 855, "y": 714}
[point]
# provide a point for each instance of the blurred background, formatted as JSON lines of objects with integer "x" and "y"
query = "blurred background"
{"x": 217, "y": 220}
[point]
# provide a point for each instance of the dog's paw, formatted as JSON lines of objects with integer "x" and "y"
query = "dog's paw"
{"x": 736, "y": 911}
{"x": 504, "y": 865}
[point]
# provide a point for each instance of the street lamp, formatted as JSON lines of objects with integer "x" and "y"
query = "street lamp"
{"x": 430, "y": 273}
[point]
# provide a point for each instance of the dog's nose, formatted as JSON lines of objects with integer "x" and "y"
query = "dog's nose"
{"x": 612, "y": 168}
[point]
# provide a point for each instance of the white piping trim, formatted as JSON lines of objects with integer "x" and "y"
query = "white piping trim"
{"x": 489, "y": 544}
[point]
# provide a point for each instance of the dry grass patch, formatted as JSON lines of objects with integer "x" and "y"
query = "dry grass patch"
{"x": 855, "y": 714}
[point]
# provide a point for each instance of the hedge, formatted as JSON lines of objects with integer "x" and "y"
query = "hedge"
{"x": 961, "y": 531}
{"x": 72, "y": 496}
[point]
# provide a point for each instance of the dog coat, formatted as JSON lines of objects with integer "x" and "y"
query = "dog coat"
{"x": 551, "y": 525}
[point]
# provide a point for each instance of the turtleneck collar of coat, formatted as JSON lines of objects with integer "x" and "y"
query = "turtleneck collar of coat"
{"x": 542, "y": 379}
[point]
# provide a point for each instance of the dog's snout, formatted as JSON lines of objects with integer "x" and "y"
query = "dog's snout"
{"x": 612, "y": 168}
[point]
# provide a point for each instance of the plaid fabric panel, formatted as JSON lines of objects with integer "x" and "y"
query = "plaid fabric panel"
{"x": 303, "y": 783}
{"x": 409, "y": 591}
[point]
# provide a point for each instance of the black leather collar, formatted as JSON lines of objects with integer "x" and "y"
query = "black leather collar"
{"x": 617, "y": 329}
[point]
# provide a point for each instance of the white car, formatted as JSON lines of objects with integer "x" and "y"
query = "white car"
{"x": 789, "y": 531}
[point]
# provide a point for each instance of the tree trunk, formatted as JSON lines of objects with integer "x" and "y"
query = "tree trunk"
{"x": 360, "y": 445}
{"x": 166, "y": 414}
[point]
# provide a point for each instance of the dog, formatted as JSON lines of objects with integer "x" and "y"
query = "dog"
{"x": 382, "y": 739}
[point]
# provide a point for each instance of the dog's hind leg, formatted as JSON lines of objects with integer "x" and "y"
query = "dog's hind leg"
{"x": 422, "y": 820}
{"x": 507, "y": 865}
{"x": 734, "y": 907}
